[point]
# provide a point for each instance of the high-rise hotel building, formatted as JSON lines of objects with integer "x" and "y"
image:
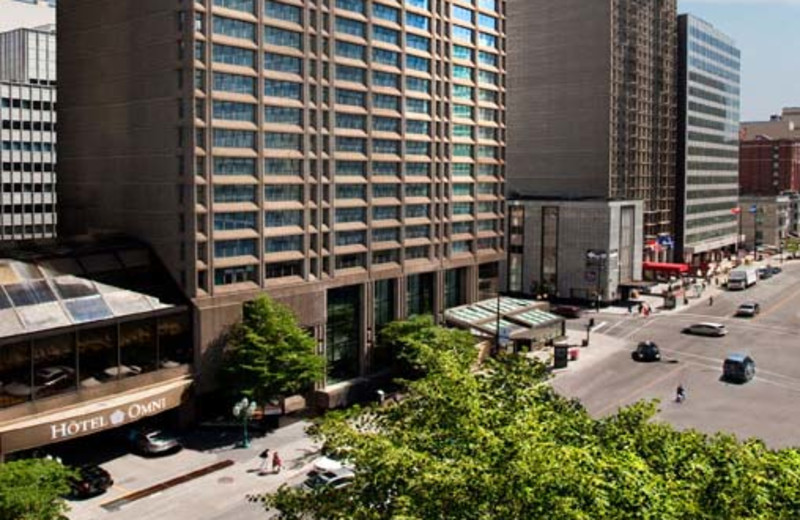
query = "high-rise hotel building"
{"x": 344, "y": 156}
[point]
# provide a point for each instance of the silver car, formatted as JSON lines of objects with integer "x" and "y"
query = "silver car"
{"x": 706, "y": 329}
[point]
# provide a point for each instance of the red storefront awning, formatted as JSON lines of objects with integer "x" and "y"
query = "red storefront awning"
{"x": 663, "y": 267}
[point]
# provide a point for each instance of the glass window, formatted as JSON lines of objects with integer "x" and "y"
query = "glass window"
{"x": 417, "y": 63}
{"x": 234, "y": 166}
{"x": 232, "y": 275}
{"x": 356, "y": 168}
{"x": 233, "y": 248}
{"x": 234, "y": 28}
{"x": 386, "y": 146}
{"x": 417, "y": 20}
{"x": 419, "y": 291}
{"x": 385, "y": 12}
{"x": 283, "y": 38}
{"x": 283, "y": 167}
{"x": 462, "y": 53}
{"x": 386, "y": 101}
{"x": 385, "y": 57}
{"x": 350, "y": 97}
{"x": 351, "y": 144}
{"x": 53, "y": 368}
{"x": 418, "y": 106}
{"x": 385, "y": 79}
{"x": 487, "y": 58}
{"x": 352, "y": 5}
{"x": 386, "y": 124}
{"x": 97, "y": 356}
{"x": 233, "y": 55}
{"x": 234, "y": 193}
{"x": 281, "y": 11}
{"x": 417, "y": 211}
{"x": 344, "y": 215}
{"x": 283, "y": 269}
{"x": 234, "y": 83}
{"x": 349, "y": 238}
{"x": 486, "y": 21}
{"x": 385, "y": 191}
{"x": 175, "y": 345}
{"x": 487, "y": 40}
{"x": 386, "y": 168}
{"x": 351, "y": 50}
{"x": 462, "y": 72}
{"x": 283, "y": 89}
{"x": 385, "y": 313}
{"x": 283, "y": 218}
{"x": 386, "y": 213}
{"x": 137, "y": 343}
{"x": 283, "y": 193}
{"x": 15, "y": 372}
{"x": 284, "y": 244}
{"x": 247, "y": 6}
{"x": 418, "y": 84}
{"x": 419, "y": 169}
{"x": 343, "y": 335}
{"x": 385, "y": 34}
{"x": 462, "y": 33}
{"x": 418, "y": 148}
{"x": 283, "y": 141}
{"x": 232, "y": 221}
{"x": 350, "y": 26}
{"x": 462, "y": 14}
{"x": 283, "y": 115}
{"x": 234, "y": 111}
{"x": 354, "y": 74}
{"x": 352, "y": 121}
{"x": 282, "y": 63}
{"x": 234, "y": 138}
{"x": 416, "y": 41}
{"x": 351, "y": 191}
{"x": 417, "y": 127}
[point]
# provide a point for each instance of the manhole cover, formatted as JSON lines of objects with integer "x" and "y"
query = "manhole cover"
{"x": 225, "y": 480}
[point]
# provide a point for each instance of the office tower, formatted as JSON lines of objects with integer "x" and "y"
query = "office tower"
{"x": 27, "y": 133}
{"x": 769, "y": 166}
{"x": 346, "y": 157}
{"x": 17, "y": 14}
{"x": 708, "y": 142}
{"x": 592, "y": 105}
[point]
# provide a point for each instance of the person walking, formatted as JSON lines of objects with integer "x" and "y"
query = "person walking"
{"x": 711, "y": 301}
{"x": 680, "y": 394}
{"x": 265, "y": 459}
{"x": 277, "y": 464}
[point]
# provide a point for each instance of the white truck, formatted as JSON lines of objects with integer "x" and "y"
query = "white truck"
{"x": 742, "y": 278}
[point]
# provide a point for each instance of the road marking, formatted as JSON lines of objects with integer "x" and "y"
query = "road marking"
{"x": 599, "y": 326}
{"x": 781, "y": 303}
{"x": 637, "y": 329}
{"x": 639, "y": 390}
{"x": 120, "y": 488}
{"x": 719, "y": 361}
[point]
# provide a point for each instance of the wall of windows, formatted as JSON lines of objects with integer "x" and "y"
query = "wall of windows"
{"x": 343, "y": 337}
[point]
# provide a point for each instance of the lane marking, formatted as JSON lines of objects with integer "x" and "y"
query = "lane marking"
{"x": 643, "y": 325}
{"x": 599, "y": 326}
{"x": 639, "y": 390}
{"x": 780, "y": 303}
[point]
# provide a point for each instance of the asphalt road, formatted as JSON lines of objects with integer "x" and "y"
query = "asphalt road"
{"x": 766, "y": 407}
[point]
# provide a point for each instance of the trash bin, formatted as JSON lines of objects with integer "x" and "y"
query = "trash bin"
{"x": 573, "y": 354}
{"x": 560, "y": 356}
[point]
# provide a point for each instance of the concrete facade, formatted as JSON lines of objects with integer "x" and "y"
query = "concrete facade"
{"x": 597, "y": 246}
{"x": 766, "y": 221}
{"x": 785, "y": 125}
{"x": 592, "y": 103}
{"x": 708, "y": 141}
{"x": 291, "y": 148}
{"x": 26, "y": 14}
{"x": 28, "y": 134}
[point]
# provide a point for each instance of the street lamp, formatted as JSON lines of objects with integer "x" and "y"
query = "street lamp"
{"x": 244, "y": 410}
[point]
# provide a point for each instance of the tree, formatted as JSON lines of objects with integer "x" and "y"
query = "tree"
{"x": 33, "y": 489}
{"x": 499, "y": 443}
{"x": 268, "y": 355}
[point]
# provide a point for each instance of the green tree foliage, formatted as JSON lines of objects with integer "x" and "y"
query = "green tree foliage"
{"x": 32, "y": 489}
{"x": 499, "y": 443}
{"x": 268, "y": 355}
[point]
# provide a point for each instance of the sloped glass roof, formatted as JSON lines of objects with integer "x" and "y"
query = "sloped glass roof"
{"x": 516, "y": 315}
{"x": 39, "y": 291}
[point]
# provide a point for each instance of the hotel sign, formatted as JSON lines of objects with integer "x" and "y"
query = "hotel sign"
{"x": 90, "y": 418}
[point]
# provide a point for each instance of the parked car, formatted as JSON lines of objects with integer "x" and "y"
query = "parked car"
{"x": 764, "y": 272}
{"x": 333, "y": 479}
{"x": 738, "y": 368}
{"x": 47, "y": 378}
{"x": 706, "y": 329}
{"x": 567, "y": 311}
{"x": 90, "y": 481}
{"x": 776, "y": 270}
{"x": 647, "y": 351}
{"x": 748, "y": 309}
{"x": 153, "y": 442}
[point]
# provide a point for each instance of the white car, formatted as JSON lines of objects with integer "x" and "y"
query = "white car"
{"x": 47, "y": 378}
{"x": 336, "y": 479}
{"x": 706, "y": 329}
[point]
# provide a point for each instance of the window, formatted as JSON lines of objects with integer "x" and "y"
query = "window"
{"x": 354, "y": 74}
{"x": 386, "y": 235}
{"x": 355, "y": 168}
{"x": 462, "y": 72}
{"x": 385, "y": 57}
{"x": 386, "y": 146}
{"x": 486, "y": 21}
{"x": 487, "y": 40}
{"x": 385, "y": 12}
{"x": 283, "y": 115}
{"x": 418, "y": 84}
{"x": 391, "y": 169}
{"x": 385, "y": 191}
{"x": 419, "y": 169}
{"x": 233, "y": 248}
{"x": 283, "y": 38}
{"x": 282, "y": 63}
{"x": 462, "y": 33}
{"x": 385, "y": 34}
{"x": 234, "y": 83}
{"x": 416, "y": 41}
{"x": 462, "y": 131}
{"x": 352, "y": 5}
{"x": 418, "y": 232}
{"x": 462, "y": 53}
{"x": 283, "y": 167}
{"x": 352, "y": 121}
{"x": 385, "y": 79}
{"x": 231, "y": 275}
{"x": 349, "y": 26}
{"x": 344, "y": 215}
{"x": 385, "y": 124}
{"x": 462, "y": 14}
{"x": 234, "y": 166}
{"x": 233, "y": 55}
{"x": 351, "y": 144}
{"x": 274, "y": 219}
{"x": 283, "y": 141}
{"x": 283, "y": 193}
{"x": 350, "y": 97}
{"x": 349, "y": 238}
{"x": 462, "y": 208}
{"x": 284, "y": 269}
{"x": 234, "y": 138}
{"x": 417, "y": 127}
{"x": 418, "y": 21}
{"x": 284, "y": 244}
{"x": 283, "y": 11}
{"x": 351, "y": 191}
{"x": 418, "y": 190}
{"x": 234, "y": 193}
{"x": 232, "y": 221}
{"x": 283, "y": 89}
{"x": 418, "y": 106}
{"x": 386, "y": 213}
{"x": 462, "y": 111}
{"x": 247, "y": 6}
{"x": 417, "y": 148}
{"x": 234, "y": 28}
{"x": 417, "y": 211}
{"x": 386, "y": 102}
{"x": 417, "y": 63}
{"x": 234, "y": 111}
{"x": 351, "y": 50}
{"x": 487, "y": 58}
{"x": 462, "y": 92}
{"x": 462, "y": 150}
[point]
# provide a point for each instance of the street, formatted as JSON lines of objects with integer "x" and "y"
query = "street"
{"x": 763, "y": 408}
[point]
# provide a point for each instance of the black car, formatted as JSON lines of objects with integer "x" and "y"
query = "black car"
{"x": 765, "y": 272}
{"x": 776, "y": 270}
{"x": 738, "y": 368}
{"x": 90, "y": 481}
{"x": 567, "y": 311}
{"x": 646, "y": 351}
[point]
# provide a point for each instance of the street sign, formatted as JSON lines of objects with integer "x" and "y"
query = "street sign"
{"x": 505, "y": 336}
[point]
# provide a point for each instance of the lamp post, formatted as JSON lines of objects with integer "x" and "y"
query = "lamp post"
{"x": 244, "y": 410}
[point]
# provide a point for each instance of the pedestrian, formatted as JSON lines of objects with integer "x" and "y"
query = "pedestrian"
{"x": 630, "y": 308}
{"x": 711, "y": 301}
{"x": 685, "y": 300}
{"x": 262, "y": 470}
{"x": 680, "y": 393}
{"x": 277, "y": 464}
{"x": 641, "y": 307}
